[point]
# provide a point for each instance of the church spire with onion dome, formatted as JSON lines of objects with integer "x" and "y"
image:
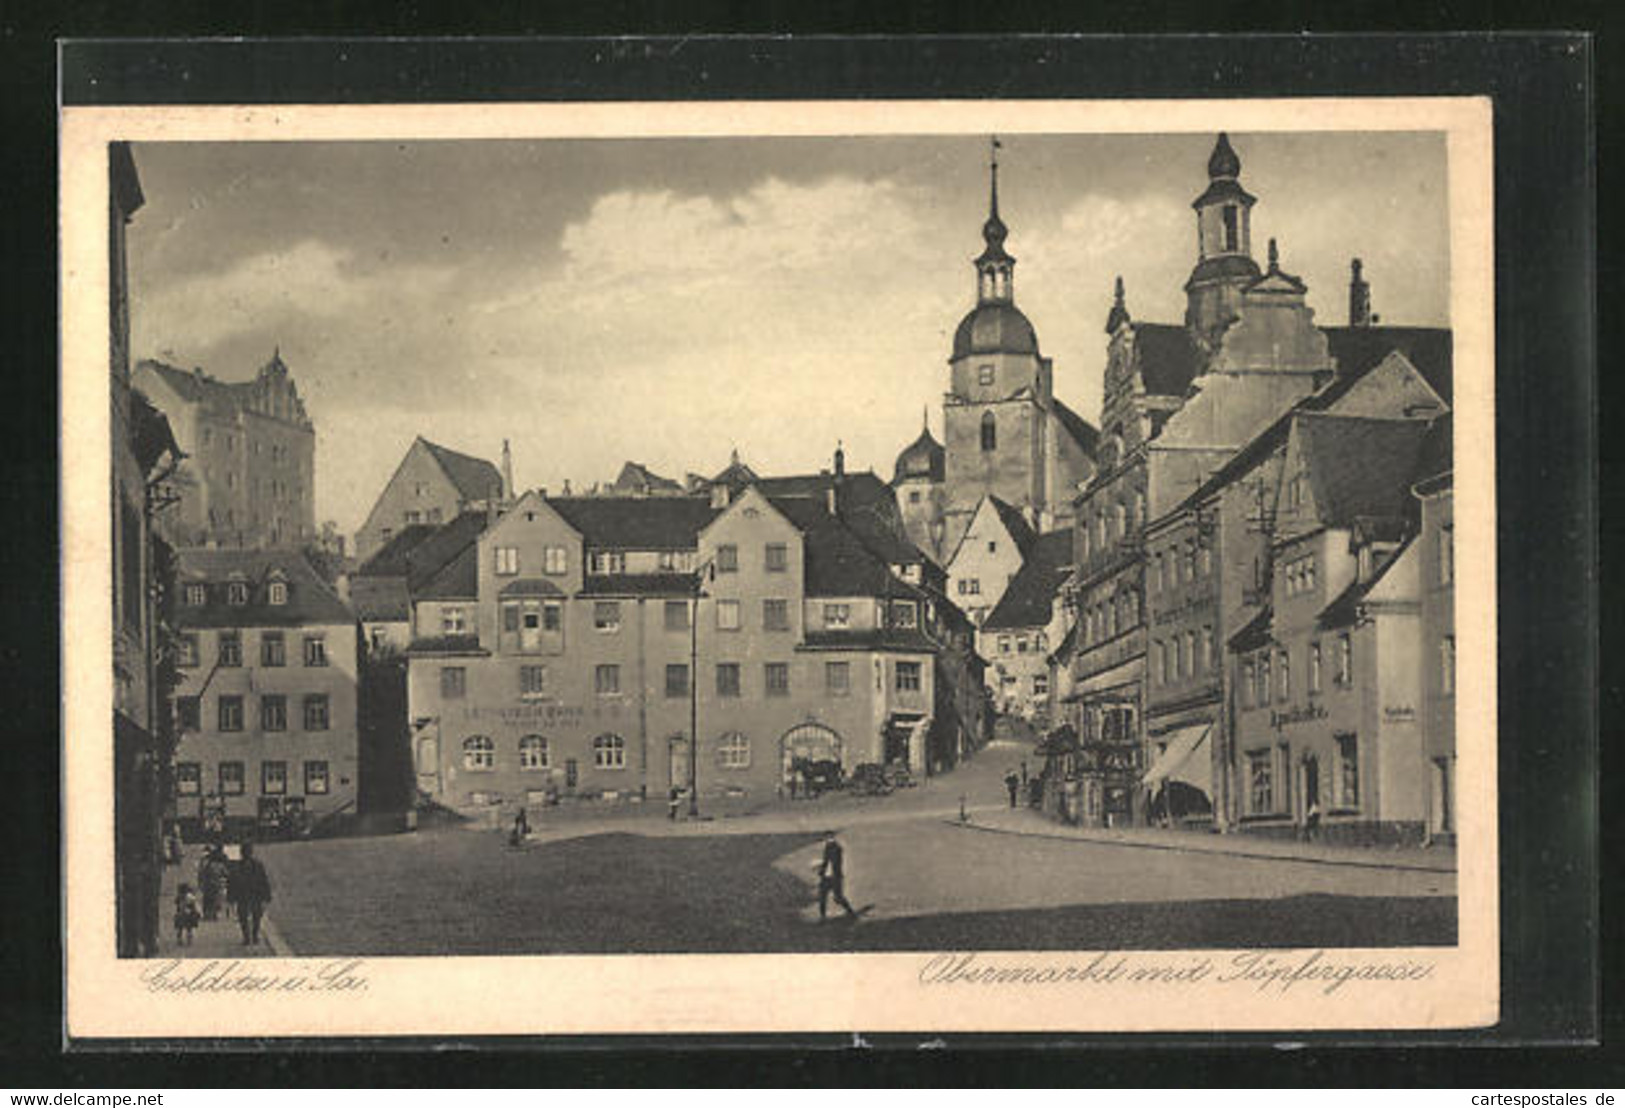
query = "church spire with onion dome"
{"x": 994, "y": 266}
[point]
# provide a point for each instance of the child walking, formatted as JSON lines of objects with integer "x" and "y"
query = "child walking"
{"x": 187, "y": 914}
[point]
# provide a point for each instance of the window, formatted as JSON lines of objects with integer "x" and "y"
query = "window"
{"x": 278, "y": 593}
{"x": 777, "y": 677}
{"x": 973, "y": 586}
{"x": 434, "y": 515}
{"x": 676, "y": 680}
{"x": 727, "y": 558}
{"x": 609, "y": 752}
{"x": 606, "y": 680}
{"x": 237, "y": 593}
{"x": 1204, "y": 560}
{"x": 908, "y": 676}
{"x": 510, "y": 618}
{"x": 608, "y": 561}
{"x": 1314, "y": 667}
{"x": 533, "y": 753}
{"x": 1348, "y": 771}
{"x": 479, "y": 754}
{"x": 273, "y": 778}
{"x": 727, "y": 678}
{"x": 188, "y": 713}
{"x": 1040, "y": 684}
{"x": 1260, "y": 782}
{"x": 733, "y": 751}
{"x": 273, "y": 713}
{"x": 1159, "y": 656}
{"x": 984, "y": 375}
{"x": 1447, "y": 554}
{"x": 230, "y": 709}
{"x": 414, "y": 516}
{"x": 990, "y": 432}
{"x": 196, "y": 595}
{"x": 904, "y": 613}
{"x": 1165, "y": 569}
{"x": 316, "y": 712}
{"x": 315, "y": 650}
{"x": 837, "y": 615}
{"x": 273, "y": 650}
{"x": 231, "y": 779}
{"x": 231, "y": 649}
{"x": 1021, "y": 644}
{"x": 315, "y": 778}
{"x": 775, "y": 615}
{"x": 677, "y": 615}
{"x": 1004, "y": 644}
{"x": 1247, "y": 683}
{"x": 1345, "y": 659}
{"x": 727, "y": 615}
{"x": 453, "y": 682}
{"x": 606, "y": 615}
{"x": 453, "y": 620}
{"x": 186, "y": 655}
{"x": 776, "y": 557}
{"x": 552, "y": 616}
{"x": 188, "y": 779}
{"x": 992, "y": 546}
{"x": 1284, "y": 670}
{"x": 1447, "y": 665}
{"x": 1264, "y": 683}
{"x": 507, "y": 561}
{"x": 913, "y": 496}
{"x": 838, "y": 678}
{"x": 532, "y": 680}
{"x": 1228, "y": 213}
{"x": 554, "y": 561}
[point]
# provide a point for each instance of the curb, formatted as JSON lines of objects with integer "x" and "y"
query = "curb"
{"x": 1356, "y": 863}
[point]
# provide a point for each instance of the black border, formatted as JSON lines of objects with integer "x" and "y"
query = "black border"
{"x": 1546, "y": 443}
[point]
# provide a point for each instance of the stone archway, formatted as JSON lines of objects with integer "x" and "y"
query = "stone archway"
{"x": 812, "y": 741}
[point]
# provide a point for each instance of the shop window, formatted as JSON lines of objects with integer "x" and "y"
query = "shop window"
{"x": 1260, "y": 782}
{"x": 1348, "y": 771}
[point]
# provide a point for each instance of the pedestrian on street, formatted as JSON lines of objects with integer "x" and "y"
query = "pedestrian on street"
{"x": 674, "y": 801}
{"x": 1013, "y": 784}
{"x": 521, "y": 828}
{"x": 1311, "y": 822}
{"x": 251, "y": 889}
{"x": 832, "y": 878}
{"x": 186, "y": 914}
{"x": 211, "y": 878}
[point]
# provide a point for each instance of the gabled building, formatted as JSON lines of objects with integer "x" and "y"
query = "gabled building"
{"x": 432, "y": 485}
{"x": 266, "y": 709}
{"x": 990, "y": 553}
{"x": 249, "y": 476}
{"x": 639, "y": 480}
{"x": 1028, "y": 623}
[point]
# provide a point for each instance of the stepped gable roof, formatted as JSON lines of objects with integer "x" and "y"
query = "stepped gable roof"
{"x": 1429, "y": 349}
{"x": 1168, "y": 357}
{"x": 1082, "y": 431}
{"x": 1346, "y": 605}
{"x": 1029, "y": 599}
{"x": 620, "y": 523}
{"x": 1359, "y": 467}
{"x": 380, "y": 599}
{"x": 390, "y": 560}
{"x": 474, "y": 478}
{"x": 196, "y": 387}
{"x": 1021, "y": 532}
{"x": 924, "y": 457}
{"x": 311, "y": 600}
{"x": 1438, "y": 457}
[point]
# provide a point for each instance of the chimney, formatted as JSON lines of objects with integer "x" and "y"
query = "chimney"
{"x": 507, "y": 471}
{"x": 1359, "y": 297}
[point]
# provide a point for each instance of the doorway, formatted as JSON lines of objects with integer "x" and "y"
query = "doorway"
{"x": 677, "y": 757}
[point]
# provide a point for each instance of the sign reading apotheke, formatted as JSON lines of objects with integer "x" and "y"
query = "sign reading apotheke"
{"x": 1297, "y": 715}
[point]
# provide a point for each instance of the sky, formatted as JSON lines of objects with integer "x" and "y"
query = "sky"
{"x": 671, "y": 300}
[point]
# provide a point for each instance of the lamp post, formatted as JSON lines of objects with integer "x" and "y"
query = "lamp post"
{"x": 700, "y": 573}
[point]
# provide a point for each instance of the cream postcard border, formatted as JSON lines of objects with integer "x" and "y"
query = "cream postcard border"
{"x": 105, "y": 996}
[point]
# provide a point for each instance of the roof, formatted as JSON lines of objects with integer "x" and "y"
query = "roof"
{"x": 1222, "y": 190}
{"x": 196, "y": 387}
{"x": 910, "y": 639}
{"x": 837, "y": 562}
{"x": 457, "y": 579}
{"x": 1254, "y": 634}
{"x": 638, "y": 584}
{"x": 924, "y": 457}
{"x": 1029, "y": 600}
{"x": 621, "y": 523}
{"x": 310, "y": 600}
{"x": 1224, "y": 161}
{"x": 1359, "y": 349}
{"x": 391, "y": 559}
{"x": 1168, "y": 357}
{"x": 1346, "y": 605}
{"x": 380, "y": 599}
{"x": 994, "y": 327}
{"x": 150, "y": 434}
{"x": 474, "y": 478}
{"x": 1437, "y": 459}
{"x": 1082, "y": 431}
{"x": 1065, "y": 649}
{"x": 635, "y": 477}
{"x": 1359, "y": 467}
{"x": 1015, "y": 523}
{"x": 447, "y": 644}
{"x": 1222, "y": 267}
{"x": 426, "y": 561}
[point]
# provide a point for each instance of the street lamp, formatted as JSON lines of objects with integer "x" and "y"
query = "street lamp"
{"x": 700, "y": 574}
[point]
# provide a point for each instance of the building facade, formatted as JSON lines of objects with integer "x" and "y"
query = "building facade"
{"x": 248, "y": 480}
{"x": 988, "y": 557}
{"x": 432, "y": 485}
{"x": 1030, "y": 621}
{"x": 1436, "y": 553}
{"x": 267, "y": 705}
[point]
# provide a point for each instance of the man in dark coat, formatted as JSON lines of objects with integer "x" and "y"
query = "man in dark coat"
{"x": 832, "y": 878}
{"x": 251, "y": 891}
{"x": 1012, "y": 783}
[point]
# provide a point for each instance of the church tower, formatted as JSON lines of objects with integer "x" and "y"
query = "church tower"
{"x": 997, "y": 413}
{"x": 1224, "y": 265}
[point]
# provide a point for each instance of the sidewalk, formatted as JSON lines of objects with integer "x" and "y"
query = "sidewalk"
{"x": 217, "y": 938}
{"x": 1025, "y": 821}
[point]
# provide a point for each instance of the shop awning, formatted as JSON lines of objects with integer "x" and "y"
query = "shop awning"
{"x": 1185, "y": 758}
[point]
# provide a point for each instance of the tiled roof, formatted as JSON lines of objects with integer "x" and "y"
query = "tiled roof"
{"x": 474, "y": 478}
{"x": 1168, "y": 358}
{"x": 427, "y": 561}
{"x": 630, "y": 523}
{"x": 1437, "y": 458}
{"x": 639, "y": 584}
{"x": 391, "y": 558}
{"x": 1358, "y": 466}
{"x": 457, "y": 579}
{"x": 310, "y": 600}
{"x": 196, "y": 387}
{"x": 380, "y": 599}
{"x": 910, "y": 639}
{"x": 1021, "y": 531}
{"x": 1359, "y": 349}
{"x": 837, "y": 561}
{"x": 448, "y": 644}
{"x": 1029, "y": 599}
{"x": 150, "y": 434}
{"x": 1254, "y": 634}
{"x": 635, "y": 477}
{"x": 1063, "y": 652}
{"x": 1081, "y": 430}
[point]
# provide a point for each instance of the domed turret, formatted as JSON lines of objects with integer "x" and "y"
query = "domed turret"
{"x": 1223, "y": 162}
{"x": 922, "y": 459}
{"x": 995, "y": 325}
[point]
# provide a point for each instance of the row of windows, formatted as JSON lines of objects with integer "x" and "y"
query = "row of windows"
{"x": 1109, "y": 618}
{"x": 1300, "y": 576}
{"x": 196, "y": 594}
{"x": 273, "y": 650}
{"x": 1191, "y": 560}
{"x": 606, "y": 615}
{"x": 608, "y": 752}
{"x": 1269, "y": 779}
{"x": 229, "y": 712}
{"x": 1039, "y": 681}
{"x": 1182, "y": 656}
{"x": 1110, "y": 523}
{"x": 1037, "y": 642}
{"x": 1260, "y": 684}
{"x": 533, "y": 680}
{"x": 230, "y": 778}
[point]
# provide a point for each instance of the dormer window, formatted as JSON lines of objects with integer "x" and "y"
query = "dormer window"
{"x": 608, "y": 561}
{"x": 237, "y": 593}
{"x": 278, "y": 593}
{"x": 904, "y": 613}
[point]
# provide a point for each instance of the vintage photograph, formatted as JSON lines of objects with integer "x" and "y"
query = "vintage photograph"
{"x": 735, "y": 544}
